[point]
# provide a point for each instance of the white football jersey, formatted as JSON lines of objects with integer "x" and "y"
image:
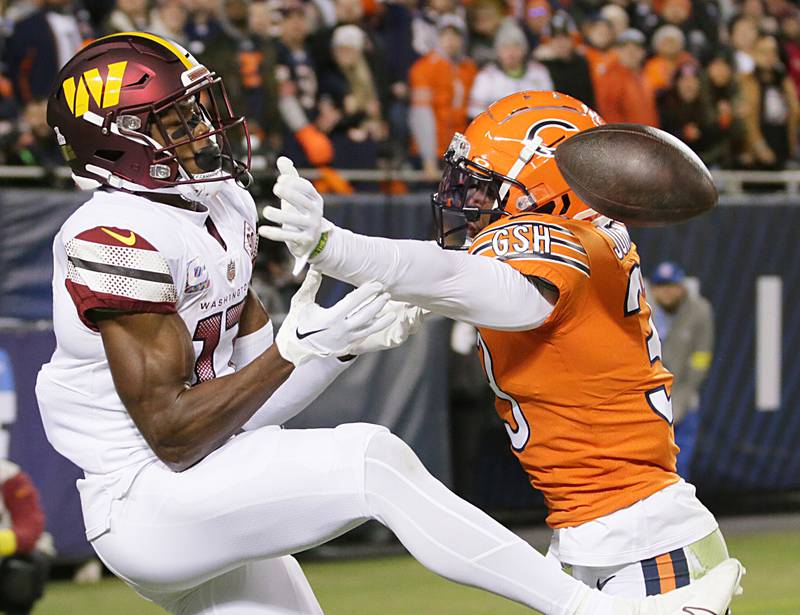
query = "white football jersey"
{"x": 124, "y": 252}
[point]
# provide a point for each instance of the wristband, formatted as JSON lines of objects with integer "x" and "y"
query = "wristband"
{"x": 323, "y": 241}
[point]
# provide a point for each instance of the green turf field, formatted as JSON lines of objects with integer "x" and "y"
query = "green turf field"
{"x": 398, "y": 585}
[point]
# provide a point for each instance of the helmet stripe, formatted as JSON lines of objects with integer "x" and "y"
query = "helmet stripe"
{"x": 179, "y": 51}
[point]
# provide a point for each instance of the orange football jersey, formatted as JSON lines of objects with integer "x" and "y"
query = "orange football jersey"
{"x": 585, "y": 397}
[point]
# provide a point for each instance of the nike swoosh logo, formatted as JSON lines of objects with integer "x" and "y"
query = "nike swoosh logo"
{"x": 602, "y": 584}
{"x": 697, "y": 610}
{"x": 128, "y": 241}
{"x": 307, "y": 333}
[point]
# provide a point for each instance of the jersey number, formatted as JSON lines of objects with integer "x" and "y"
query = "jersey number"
{"x": 657, "y": 398}
{"x": 209, "y": 331}
{"x": 519, "y": 436}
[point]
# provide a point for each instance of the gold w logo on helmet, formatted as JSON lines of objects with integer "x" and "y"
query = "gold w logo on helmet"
{"x": 105, "y": 94}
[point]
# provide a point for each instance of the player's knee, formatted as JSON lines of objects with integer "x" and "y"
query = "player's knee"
{"x": 387, "y": 449}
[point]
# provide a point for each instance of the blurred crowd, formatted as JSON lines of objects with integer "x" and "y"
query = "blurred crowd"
{"x": 384, "y": 84}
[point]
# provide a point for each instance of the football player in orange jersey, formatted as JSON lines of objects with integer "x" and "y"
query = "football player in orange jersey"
{"x": 565, "y": 337}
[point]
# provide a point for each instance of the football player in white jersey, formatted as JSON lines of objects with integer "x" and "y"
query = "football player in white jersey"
{"x": 167, "y": 390}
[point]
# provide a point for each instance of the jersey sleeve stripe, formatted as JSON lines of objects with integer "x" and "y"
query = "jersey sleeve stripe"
{"x": 554, "y": 258}
{"x": 134, "y": 258}
{"x": 123, "y": 286}
{"x": 139, "y": 274}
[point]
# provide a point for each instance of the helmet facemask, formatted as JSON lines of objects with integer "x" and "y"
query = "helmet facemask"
{"x": 468, "y": 198}
{"x": 193, "y": 161}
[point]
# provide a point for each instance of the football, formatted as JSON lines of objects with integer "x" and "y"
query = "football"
{"x": 636, "y": 174}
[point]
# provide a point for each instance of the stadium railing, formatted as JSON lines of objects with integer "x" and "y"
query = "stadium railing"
{"x": 728, "y": 182}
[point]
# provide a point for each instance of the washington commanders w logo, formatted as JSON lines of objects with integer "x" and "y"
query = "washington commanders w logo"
{"x": 105, "y": 94}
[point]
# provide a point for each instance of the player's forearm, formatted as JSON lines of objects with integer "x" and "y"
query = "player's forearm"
{"x": 473, "y": 289}
{"x": 203, "y": 417}
{"x": 303, "y": 386}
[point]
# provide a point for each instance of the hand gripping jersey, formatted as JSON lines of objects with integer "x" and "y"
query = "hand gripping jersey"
{"x": 585, "y": 397}
{"x": 120, "y": 251}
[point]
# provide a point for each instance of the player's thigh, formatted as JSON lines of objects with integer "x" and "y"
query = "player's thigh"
{"x": 266, "y": 493}
{"x": 262, "y": 587}
{"x": 659, "y": 574}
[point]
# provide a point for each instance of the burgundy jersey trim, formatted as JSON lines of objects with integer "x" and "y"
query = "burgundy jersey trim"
{"x": 85, "y": 299}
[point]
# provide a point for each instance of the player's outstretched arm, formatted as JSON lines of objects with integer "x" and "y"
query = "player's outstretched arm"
{"x": 152, "y": 363}
{"x": 476, "y": 290}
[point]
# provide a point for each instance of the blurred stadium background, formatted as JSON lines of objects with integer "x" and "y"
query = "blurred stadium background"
{"x": 720, "y": 74}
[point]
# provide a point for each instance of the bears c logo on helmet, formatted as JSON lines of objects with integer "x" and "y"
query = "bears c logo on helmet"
{"x": 550, "y": 133}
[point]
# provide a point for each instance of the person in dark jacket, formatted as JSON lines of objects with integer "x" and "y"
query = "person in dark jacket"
{"x": 686, "y": 111}
{"x": 568, "y": 68}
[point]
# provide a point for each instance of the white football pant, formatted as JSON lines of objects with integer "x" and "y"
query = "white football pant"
{"x": 196, "y": 542}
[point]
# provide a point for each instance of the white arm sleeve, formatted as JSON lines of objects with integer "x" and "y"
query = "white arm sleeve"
{"x": 301, "y": 388}
{"x": 474, "y": 289}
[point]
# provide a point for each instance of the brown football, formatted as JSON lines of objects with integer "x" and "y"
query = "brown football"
{"x": 636, "y": 174}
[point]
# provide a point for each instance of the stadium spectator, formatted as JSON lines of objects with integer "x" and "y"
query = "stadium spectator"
{"x": 567, "y": 66}
{"x": 790, "y": 32}
{"x": 424, "y": 24}
{"x": 23, "y": 561}
{"x": 239, "y": 48}
{"x": 772, "y": 109}
{"x": 351, "y": 89}
{"x": 126, "y": 16}
{"x": 623, "y": 94}
{"x": 757, "y": 11}
{"x": 538, "y": 14}
{"x": 685, "y": 323}
{"x": 440, "y": 83}
{"x": 202, "y": 23}
{"x": 34, "y": 144}
{"x": 394, "y": 30}
{"x": 686, "y": 111}
{"x": 40, "y": 44}
{"x": 346, "y": 12}
{"x": 304, "y": 139}
{"x": 512, "y": 72}
{"x": 599, "y": 47}
{"x": 617, "y": 17}
{"x": 484, "y": 17}
{"x": 743, "y": 35}
{"x": 169, "y": 19}
{"x": 699, "y": 22}
{"x": 669, "y": 45}
{"x": 724, "y": 94}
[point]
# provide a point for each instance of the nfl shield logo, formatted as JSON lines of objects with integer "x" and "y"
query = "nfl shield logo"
{"x": 231, "y": 271}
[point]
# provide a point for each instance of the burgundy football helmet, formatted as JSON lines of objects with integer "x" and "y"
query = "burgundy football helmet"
{"x": 120, "y": 91}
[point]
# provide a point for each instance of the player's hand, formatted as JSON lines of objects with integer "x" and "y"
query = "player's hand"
{"x": 313, "y": 331}
{"x": 408, "y": 319}
{"x": 300, "y": 215}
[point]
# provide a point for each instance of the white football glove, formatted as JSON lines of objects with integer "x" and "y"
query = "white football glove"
{"x": 300, "y": 215}
{"x": 408, "y": 319}
{"x": 312, "y": 331}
